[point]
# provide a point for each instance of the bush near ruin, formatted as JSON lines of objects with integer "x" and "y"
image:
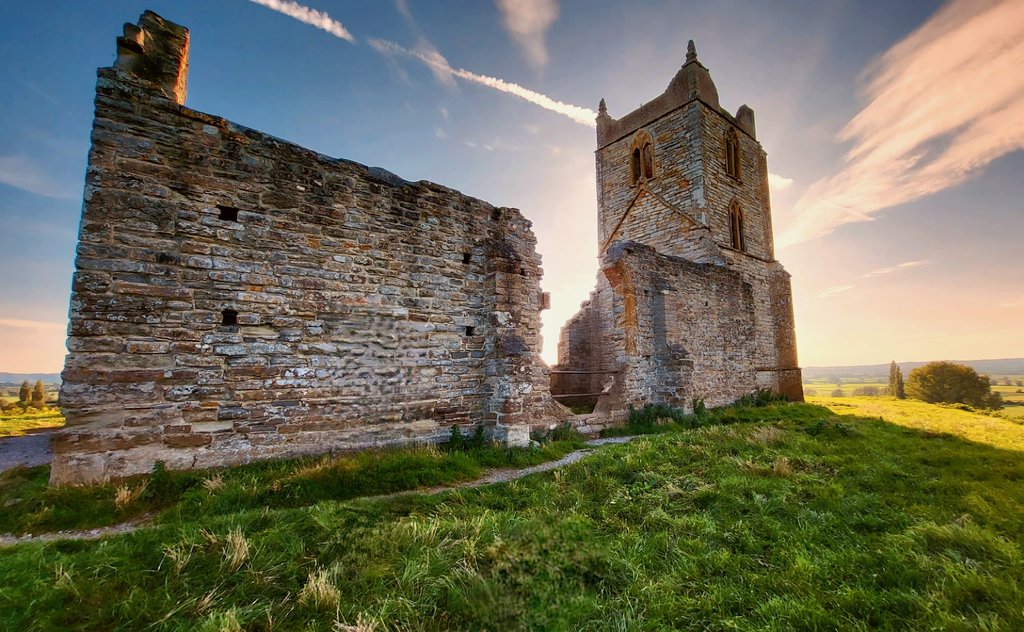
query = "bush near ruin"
{"x": 951, "y": 383}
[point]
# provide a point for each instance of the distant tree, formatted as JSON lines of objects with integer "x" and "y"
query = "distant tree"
{"x": 1020, "y": 382}
{"x": 24, "y": 394}
{"x": 951, "y": 383}
{"x": 838, "y": 393}
{"x": 866, "y": 391}
{"x": 1007, "y": 382}
{"x": 810, "y": 392}
{"x": 896, "y": 387}
{"x": 39, "y": 395}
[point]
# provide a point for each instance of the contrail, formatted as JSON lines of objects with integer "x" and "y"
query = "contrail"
{"x": 581, "y": 115}
{"x": 312, "y": 17}
{"x": 433, "y": 60}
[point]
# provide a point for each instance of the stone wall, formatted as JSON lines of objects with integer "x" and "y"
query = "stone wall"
{"x": 237, "y": 297}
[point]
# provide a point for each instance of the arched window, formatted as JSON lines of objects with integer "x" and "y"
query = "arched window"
{"x": 732, "y": 153}
{"x": 736, "y": 227}
{"x": 635, "y": 168}
{"x": 641, "y": 155}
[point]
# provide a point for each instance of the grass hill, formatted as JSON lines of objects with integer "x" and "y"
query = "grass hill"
{"x": 874, "y": 514}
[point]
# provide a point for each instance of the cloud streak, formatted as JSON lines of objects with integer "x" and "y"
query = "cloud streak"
{"x": 779, "y": 183}
{"x": 527, "y": 21}
{"x": 31, "y": 324}
{"x": 309, "y": 16}
{"x": 890, "y": 269}
{"x": 835, "y": 289}
{"x": 942, "y": 103}
{"x": 442, "y": 70}
{"x": 20, "y": 172}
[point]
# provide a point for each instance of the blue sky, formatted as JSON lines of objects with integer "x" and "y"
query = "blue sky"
{"x": 922, "y": 93}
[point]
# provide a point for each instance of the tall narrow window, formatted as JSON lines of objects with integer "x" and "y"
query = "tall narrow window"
{"x": 635, "y": 168}
{"x": 736, "y": 227}
{"x": 641, "y": 155}
{"x": 732, "y": 153}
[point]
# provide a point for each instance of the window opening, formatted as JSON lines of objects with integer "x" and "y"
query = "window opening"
{"x": 736, "y": 227}
{"x": 228, "y": 213}
{"x": 732, "y": 153}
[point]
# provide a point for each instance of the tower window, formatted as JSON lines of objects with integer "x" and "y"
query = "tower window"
{"x": 229, "y": 318}
{"x": 736, "y": 227}
{"x": 641, "y": 156}
{"x": 732, "y": 153}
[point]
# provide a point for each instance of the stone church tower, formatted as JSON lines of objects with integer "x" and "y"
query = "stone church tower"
{"x": 690, "y": 301}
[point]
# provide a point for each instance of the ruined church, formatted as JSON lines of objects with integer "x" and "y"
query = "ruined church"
{"x": 237, "y": 297}
{"x": 690, "y": 304}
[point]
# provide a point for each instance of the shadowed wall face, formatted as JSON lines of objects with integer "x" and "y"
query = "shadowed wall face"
{"x": 237, "y": 297}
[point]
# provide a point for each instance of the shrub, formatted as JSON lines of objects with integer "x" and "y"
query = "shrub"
{"x": 761, "y": 397}
{"x": 951, "y": 383}
{"x": 564, "y": 432}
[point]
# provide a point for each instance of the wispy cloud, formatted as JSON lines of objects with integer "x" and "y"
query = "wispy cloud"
{"x": 21, "y": 172}
{"x": 426, "y": 53}
{"x": 942, "y": 103}
{"x": 835, "y": 289}
{"x": 31, "y": 324}
{"x": 779, "y": 183}
{"x": 440, "y": 133}
{"x": 312, "y": 17}
{"x": 877, "y": 272}
{"x": 527, "y": 21}
{"x": 442, "y": 69}
{"x": 403, "y": 8}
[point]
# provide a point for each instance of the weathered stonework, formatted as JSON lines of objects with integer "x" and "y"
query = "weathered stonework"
{"x": 686, "y": 306}
{"x": 237, "y": 297}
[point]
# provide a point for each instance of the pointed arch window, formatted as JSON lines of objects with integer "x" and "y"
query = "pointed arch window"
{"x": 732, "y": 153}
{"x": 641, "y": 158}
{"x": 736, "y": 227}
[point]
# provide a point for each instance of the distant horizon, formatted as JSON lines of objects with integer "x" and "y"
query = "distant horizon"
{"x": 4, "y": 374}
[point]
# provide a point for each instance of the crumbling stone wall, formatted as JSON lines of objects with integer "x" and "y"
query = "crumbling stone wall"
{"x": 237, "y": 297}
{"x": 679, "y": 312}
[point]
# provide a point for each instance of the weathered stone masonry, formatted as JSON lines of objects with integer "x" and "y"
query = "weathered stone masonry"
{"x": 239, "y": 297}
{"x": 690, "y": 302}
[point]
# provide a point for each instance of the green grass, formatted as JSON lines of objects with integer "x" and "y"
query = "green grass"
{"x": 791, "y": 518}
{"x": 32, "y": 506}
{"x": 16, "y": 424}
{"x": 979, "y": 428}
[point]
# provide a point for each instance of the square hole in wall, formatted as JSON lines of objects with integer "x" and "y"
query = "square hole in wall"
{"x": 228, "y": 213}
{"x": 229, "y": 317}
{"x": 470, "y": 330}
{"x": 466, "y": 256}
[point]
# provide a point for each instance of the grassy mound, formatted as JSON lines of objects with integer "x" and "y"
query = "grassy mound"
{"x": 789, "y": 518}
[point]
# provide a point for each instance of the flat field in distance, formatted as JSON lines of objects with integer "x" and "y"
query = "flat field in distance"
{"x": 15, "y": 424}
